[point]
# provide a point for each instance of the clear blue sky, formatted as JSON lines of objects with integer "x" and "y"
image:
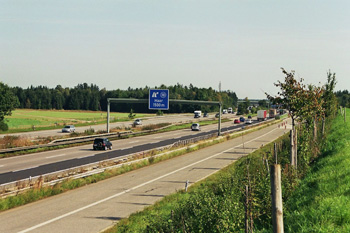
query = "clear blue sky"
{"x": 117, "y": 44}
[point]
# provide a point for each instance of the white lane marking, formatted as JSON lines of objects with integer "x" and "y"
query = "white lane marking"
{"x": 86, "y": 156}
{"x": 158, "y": 137}
{"x": 54, "y": 156}
{"x": 133, "y": 142}
{"x": 24, "y": 169}
{"x": 131, "y": 189}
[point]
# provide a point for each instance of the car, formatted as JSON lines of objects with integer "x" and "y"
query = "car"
{"x": 68, "y": 129}
{"x": 205, "y": 114}
{"x": 249, "y": 121}
{"x": 195, "y": 127}
{"x": 249, "y": 117}
{"x": 241, "y": 119}
{"x": 217, "y": 115}
{"x": 138, "y": 122}
{"x": 236, "y": 121}
{"x": 102, "y": 144}
{"x": 224, "y": 111}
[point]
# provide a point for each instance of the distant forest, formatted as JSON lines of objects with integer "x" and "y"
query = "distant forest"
{"x": 343, "y": 98}
{"x": 91, "y": 97}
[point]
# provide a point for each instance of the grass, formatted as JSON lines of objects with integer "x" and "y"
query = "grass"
{"x": 321, "y": 202}
{"x": 23, "y": 120}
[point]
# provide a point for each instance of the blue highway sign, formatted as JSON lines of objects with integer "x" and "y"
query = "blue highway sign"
{"x": 158, "y": 99}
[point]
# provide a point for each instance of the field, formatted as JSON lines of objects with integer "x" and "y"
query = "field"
{"x": 25, "y": 119}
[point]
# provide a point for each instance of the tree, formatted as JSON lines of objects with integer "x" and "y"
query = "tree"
{"x": 8, "y": 102}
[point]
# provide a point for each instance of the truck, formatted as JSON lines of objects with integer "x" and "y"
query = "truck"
{"x": 262, "y": 115}
{"x": 197, "y": 114}
{"x": 272, "y": 113}
{"x": 229, "y": 110}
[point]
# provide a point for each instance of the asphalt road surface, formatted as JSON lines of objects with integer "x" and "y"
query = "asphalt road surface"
{"x": 97, "y": 206}
{"x": 146, "y": 121}
{"x": 32, "y": 165}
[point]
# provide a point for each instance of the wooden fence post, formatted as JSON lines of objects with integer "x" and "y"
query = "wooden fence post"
{"x": 276, "y": 193}
{"x": 246, "y": 209}
{"x": 275, "y": 150}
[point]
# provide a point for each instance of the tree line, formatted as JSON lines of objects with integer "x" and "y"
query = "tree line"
{"x": 91, "y": 97}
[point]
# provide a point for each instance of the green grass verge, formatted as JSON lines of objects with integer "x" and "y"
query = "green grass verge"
{"x": 321, "y": 202}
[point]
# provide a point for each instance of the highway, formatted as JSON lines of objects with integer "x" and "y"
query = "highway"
{"x": 175, "y": 118}
{"x": 97, "y": 206}
{"x": 31, "y": 165}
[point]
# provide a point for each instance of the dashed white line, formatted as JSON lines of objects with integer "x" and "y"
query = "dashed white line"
{"x": 24, "y": 169}
{"x": 54, "y": 156}
{"x": 133, "y": 142}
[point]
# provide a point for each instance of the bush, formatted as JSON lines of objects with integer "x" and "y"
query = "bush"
{"x": 3, "y": 126}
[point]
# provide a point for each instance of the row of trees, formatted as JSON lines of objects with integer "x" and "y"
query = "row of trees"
{"x": 90, "y": 97}
{"x": 343, "y": 98}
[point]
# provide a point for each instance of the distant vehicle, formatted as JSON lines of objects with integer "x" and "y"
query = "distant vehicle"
{"x": 249, "y": 117}
{"x": 229, "y": 110}
{"x": 262, "y": 115}
{"x": 68, "y": 129}
{"x": 272, "y": 113}
{"x": 205, "y": 114}
{"x": 195, "y": 127}
{"x": 236, "y": 121}
{"x": 224, "y": 111}
{"x": 197, "y": 114}
{"x": 217, "y": 115}
{"x": 241, "y": 119}
{"x": 249, "y": 121}
{"x": 138, "y": 122}
{"x": 102, "y": 144}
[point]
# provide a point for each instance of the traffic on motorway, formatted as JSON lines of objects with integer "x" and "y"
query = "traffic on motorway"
{"x": 66, "y": 162}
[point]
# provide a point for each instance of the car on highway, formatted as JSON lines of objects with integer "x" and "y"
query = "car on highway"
{"x": 241, "y": 119}
{"x": 195, "y": 127}
{"x": 68, "y": 129}
{"x": 205, "y": 114}
{"x": 102, "y": 144}
{"x": 236, "y": 121}
{"x": 217, "y": 115}
{"x": 249, "y": 121}
{"x": 138, "y": 122}
{"x": 249, "y": 117}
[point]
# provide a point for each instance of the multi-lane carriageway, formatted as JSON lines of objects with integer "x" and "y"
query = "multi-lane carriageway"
{"x": 98, "y": 206}
{"x": 33, "y": 165}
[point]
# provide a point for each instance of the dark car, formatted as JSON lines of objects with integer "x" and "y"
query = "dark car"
{"x": 102, "y": 144}
{"x": 236, "y": 121}
{"x": 241, "y": 119}
{"x": 205, "y": 114}
{"x": 249, "y": 117}
{"x": 217, "y": 115}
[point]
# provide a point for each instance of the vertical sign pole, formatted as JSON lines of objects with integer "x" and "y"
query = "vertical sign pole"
{"x": 108, "y": 110}
{"x": 219, "y": 129}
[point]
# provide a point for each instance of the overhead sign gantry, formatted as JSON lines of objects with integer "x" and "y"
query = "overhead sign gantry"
{"x": 161, "y": 102}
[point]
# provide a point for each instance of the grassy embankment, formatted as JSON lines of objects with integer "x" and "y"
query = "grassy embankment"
{"x": 321, "y": 202}
{"x": 23, "y": 120}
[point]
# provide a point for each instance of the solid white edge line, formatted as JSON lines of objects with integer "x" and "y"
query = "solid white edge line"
{"x": 133, "y": 188}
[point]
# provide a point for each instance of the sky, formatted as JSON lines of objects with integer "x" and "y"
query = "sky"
{"x": 117, "y": 44}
